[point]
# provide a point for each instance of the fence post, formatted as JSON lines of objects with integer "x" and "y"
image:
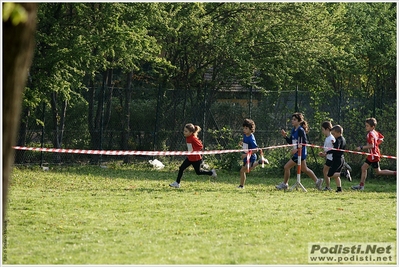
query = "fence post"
{"x": 339, "y": 105}
{"x": 104, "y": 86}
{"x": 157, "y": 118}
{"x": 374, "y": 102}
{"x": 296, "y": 99}
{"x": 204, "y": 118}
{"x": 250, "y": 102}
{"x": 42, "y": 137}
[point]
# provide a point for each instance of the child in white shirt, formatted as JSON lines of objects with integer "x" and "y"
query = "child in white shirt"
{"x": 328, "y": 144}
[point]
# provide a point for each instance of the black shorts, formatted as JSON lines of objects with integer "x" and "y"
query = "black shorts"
{"x": 328, "y": 163}
{"x": 335, "y": 167}
{"x": 375, "y": 165}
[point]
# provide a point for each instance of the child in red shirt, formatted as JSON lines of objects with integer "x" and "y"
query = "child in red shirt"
{"x": 193, "y": 144}
{"x": 374, "y": 139}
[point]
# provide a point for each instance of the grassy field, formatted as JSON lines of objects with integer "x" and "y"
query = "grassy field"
{"x": 126, "y": 215}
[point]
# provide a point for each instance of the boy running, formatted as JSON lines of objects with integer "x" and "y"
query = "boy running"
{"x": 337, "y": 157}
{"x": 248, "y": 142}
{"x": 374, "y": 139}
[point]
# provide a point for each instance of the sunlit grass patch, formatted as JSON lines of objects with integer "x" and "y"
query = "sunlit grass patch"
{"x": 125, "y": 215}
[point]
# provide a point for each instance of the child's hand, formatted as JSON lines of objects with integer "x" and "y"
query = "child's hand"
{"x": 283, "y": 133}
{"x": 322, "y": 154}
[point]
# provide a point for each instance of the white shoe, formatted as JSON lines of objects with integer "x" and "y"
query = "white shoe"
{"x": 282, "y": 186}
{"x": 319, "y": 183}
{"x": 358, "y": 187}
{"x": 214, "y": 173}
{"x": 175, "y": 184}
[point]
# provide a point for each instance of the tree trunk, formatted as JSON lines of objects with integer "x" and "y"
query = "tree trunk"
{"x": 18, "y": 45}
{"x": 109, "y": 90}
{"x": 93, "y": 122}
{"x": 23, "y": 128}
{"x": 90, "y": 118}
{"x": 62, "y": 122}
{"x": 96, "y": 121}
{"x": 58, "y": 123}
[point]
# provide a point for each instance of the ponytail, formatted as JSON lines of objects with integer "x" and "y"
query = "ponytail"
{"x": 195, "y": 129}
{"x": 305, "y": 126}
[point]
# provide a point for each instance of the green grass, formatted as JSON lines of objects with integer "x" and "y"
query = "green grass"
{"x": 126, "y": 215}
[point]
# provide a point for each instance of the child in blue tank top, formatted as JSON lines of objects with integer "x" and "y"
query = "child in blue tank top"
{"x": 248, "y": 142}
{"x": 298, "y": 136}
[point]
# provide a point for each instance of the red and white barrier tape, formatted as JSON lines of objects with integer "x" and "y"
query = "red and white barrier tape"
{"x": 139, "y": 153}
{"x": 350, "y": 151}
{"x": 171, "y": 153}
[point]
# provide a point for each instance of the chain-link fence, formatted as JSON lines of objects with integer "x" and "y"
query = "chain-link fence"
{"x": 157, "y": 118}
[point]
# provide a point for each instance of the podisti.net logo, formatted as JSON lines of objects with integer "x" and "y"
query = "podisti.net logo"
{"x": 371, "y": 253}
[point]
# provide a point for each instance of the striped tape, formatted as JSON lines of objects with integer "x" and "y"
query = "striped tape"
{"x": 172, "y": 153}
{"x": 140, "y": 153}
{"x": 350, "y": 151}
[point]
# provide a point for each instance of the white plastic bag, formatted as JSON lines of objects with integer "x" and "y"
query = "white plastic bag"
{"x": 156, "y": 164}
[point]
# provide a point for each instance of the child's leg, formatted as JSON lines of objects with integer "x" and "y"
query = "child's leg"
{"x": 335, "y": 172}
{"x": 326, "y": 178}
{"x": 243, "y": 175}
{"x": 186, "y": 163}
{"x": 256, "y": 163}
{"x": 337, "y": 177}
{"x": 197, "y": 168}
{"x": 287, "y": 170}
{"x": 378, "y": 171}
{"x": 363, "y": 175}
{"x": 347, "y": 166}
{"x": 308, "y": 171}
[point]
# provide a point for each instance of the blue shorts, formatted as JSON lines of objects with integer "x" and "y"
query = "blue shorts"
{"x": 252, "y": 160}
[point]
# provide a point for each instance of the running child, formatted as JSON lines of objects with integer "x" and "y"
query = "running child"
{"x": 298, "y": 136}
{"x": 374, "y": 139}
{"x": 337, "y": 158}
{"x": 248, "y": 142}
{"x": 329, "y": 141}
{"x": 193, "y": 144}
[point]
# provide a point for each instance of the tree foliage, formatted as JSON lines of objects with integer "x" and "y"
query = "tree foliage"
{"x": 171, "y": 62}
